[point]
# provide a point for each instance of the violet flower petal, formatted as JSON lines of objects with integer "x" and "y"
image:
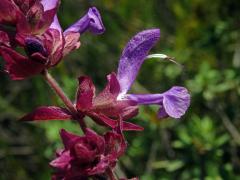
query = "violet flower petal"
{"x": 133, "y": 56}
{"x": 146, "y": 99}
{"x": 91, "y": 21}
{"x": 55, "y": 24}
{"x": 47, "y": 113}
{"x": 49, "y": 4}
{"x": 174, "y": 102}
{"x": 162, "y": 113}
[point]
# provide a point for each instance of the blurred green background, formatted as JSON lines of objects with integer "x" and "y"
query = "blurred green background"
{"x": 203, "y": 35}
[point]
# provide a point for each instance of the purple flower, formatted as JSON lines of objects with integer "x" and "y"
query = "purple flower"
{"x": 173, "y": 102}
{"x": 88, "y": 155}
{"x": 114, "y": 102}
{"x": 46, "y": 50}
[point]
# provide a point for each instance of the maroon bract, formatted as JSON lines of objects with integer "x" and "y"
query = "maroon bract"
{"x": 103, "y": 108}
{"x": 46, "y": 50}
{"x": 88, "y": 155}
{"x": 4, "y": 39}
{"x": 28, "y": 16}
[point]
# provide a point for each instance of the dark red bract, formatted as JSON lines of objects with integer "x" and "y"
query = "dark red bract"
{"x": 88, "y": 155}
{"x": 44, "y": 41}
{"x": 29, "y": 16}
{"x": 104, "y": 108}
{"x": 42, "y": 52}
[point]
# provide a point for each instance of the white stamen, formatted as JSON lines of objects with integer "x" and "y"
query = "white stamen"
{"x": 164, "y": 57}
{"x": 161, "y": 56}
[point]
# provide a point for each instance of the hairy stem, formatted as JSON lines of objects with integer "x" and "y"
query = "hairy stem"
{"x": 68, "y": 103}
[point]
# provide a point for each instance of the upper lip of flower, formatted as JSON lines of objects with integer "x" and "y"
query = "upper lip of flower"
{"x": 90, "y": 21}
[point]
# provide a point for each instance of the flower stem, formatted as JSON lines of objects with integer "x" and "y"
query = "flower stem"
{"x": 68, "y": 103}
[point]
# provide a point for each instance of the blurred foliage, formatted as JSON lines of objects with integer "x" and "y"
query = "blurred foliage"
{"x": 203, "y": 35}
